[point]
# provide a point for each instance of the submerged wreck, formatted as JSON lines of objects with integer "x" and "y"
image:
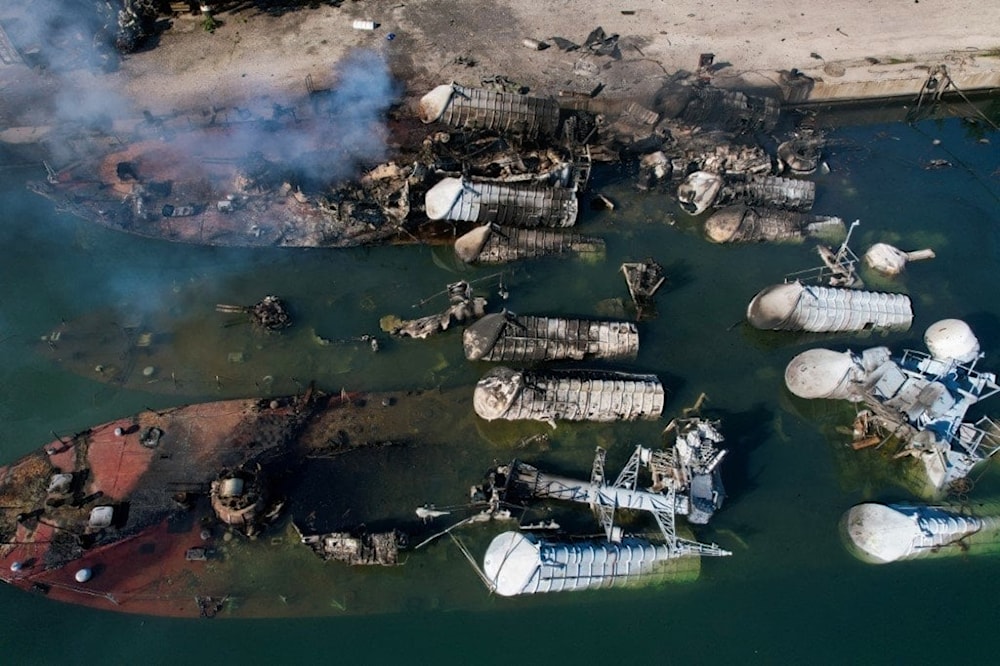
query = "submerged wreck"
{"x": 753, "y": 224}
{"x": 202, "y": 509}
{"x": 684, "y": 481}
{"x": 919, "y": 399}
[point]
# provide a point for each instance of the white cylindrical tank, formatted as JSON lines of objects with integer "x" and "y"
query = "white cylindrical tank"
{"x": 793, "y": 306}
{"x": 883, "y": 533}
{"x": 519, "y": 563}
{"x": 821, "y": 373}
{"x": 952, "y": 339}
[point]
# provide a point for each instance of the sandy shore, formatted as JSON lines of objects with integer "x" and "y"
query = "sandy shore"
{"x": 256, "y": 59}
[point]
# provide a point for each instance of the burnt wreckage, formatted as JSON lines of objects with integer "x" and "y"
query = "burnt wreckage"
{"x": 500, "y": 171}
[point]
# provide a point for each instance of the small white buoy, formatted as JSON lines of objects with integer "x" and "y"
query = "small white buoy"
{"x": 83, "y": 575}
{"x": 16, "y": 566}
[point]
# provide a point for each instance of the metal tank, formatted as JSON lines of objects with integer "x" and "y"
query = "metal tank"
{"x": 793, "y": 306}
{"x": 883, "y": 533}
{"x": 520, "y": 563}
{"x": 505, "y": 336}
{"x": 741, "y": 224}
{"x": 501, "y": 203}
{"x": 581, "y": 395}
{"x": 478, "y": 108}
{"x": 491, "y": 244}
{"x": 702, "y": 190}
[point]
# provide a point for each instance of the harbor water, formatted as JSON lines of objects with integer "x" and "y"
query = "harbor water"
{"x": 790, "y": 592}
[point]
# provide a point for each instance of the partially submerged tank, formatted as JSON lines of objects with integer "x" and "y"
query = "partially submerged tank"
{"x": 571, "y": 395}
{"x": 493, "y": 244}
{"x": 505, "y": 336}
{"x": 883, "y": 533}
{"x": 702, "y": 190}
{"x": 794, "y": 306}
{"x": 752, "y": 224}
{"x": 920, "y": 399}
{"x": 517, "y": 205}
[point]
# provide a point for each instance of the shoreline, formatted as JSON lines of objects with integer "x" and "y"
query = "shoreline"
{"x": 846, "y": 51}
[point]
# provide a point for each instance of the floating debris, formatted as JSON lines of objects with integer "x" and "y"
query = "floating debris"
{"x": 919, "y": 398}
{"x": 505, "y": 336}
{"x": 889, "y": 260}
{"x": 464, "y": 307}
{"x": 801, "y": 155}
{"x": 643, "y": 279}
{"x": 270, "y": 314}
{"x": 581, "y": 395}
{"x": 365, "y": 549}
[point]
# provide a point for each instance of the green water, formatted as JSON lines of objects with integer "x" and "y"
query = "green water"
{"x": 790, "y": 592}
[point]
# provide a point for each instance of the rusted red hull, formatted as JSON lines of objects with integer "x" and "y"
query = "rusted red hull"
{"x": 142, "y": 562}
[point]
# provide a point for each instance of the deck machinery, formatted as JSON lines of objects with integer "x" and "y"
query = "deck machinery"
{"x": 685, "y": 480}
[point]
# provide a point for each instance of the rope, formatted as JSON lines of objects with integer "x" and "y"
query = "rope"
{"x": 475, "y": 567}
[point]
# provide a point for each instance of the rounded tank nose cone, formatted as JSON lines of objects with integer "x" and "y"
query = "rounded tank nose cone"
{"x": 817, "y": 373}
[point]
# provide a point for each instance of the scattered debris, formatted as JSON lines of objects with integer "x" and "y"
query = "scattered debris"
{"x": 269, "y": 314}
{"x": 643, "y": 280}
{"x": 890, "y": 260}
{"x": 464, "y": 307}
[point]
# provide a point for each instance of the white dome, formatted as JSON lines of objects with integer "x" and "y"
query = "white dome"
{"x": 772, "y": 306}
{"x": 879, "y": 534}
{"x": 818, "y": 373}
{"x": 952, "y": 339}
{"x": 511, "y": 561}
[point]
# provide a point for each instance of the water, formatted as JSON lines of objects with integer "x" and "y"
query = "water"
{"x": 791, "y": 592}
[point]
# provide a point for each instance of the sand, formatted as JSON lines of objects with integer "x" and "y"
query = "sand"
{"x": 254, "y": 59}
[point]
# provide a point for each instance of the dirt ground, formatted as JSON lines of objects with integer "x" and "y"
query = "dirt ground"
{"x": 257, "y": 59}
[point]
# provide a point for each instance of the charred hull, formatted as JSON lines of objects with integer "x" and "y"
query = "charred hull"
{"x": 140, "y": 515}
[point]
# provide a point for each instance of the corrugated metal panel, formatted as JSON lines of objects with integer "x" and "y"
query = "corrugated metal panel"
{"x": 522, "y": 115}
{"x": 510, "y": 244}
{"x": 530, "y": 339}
